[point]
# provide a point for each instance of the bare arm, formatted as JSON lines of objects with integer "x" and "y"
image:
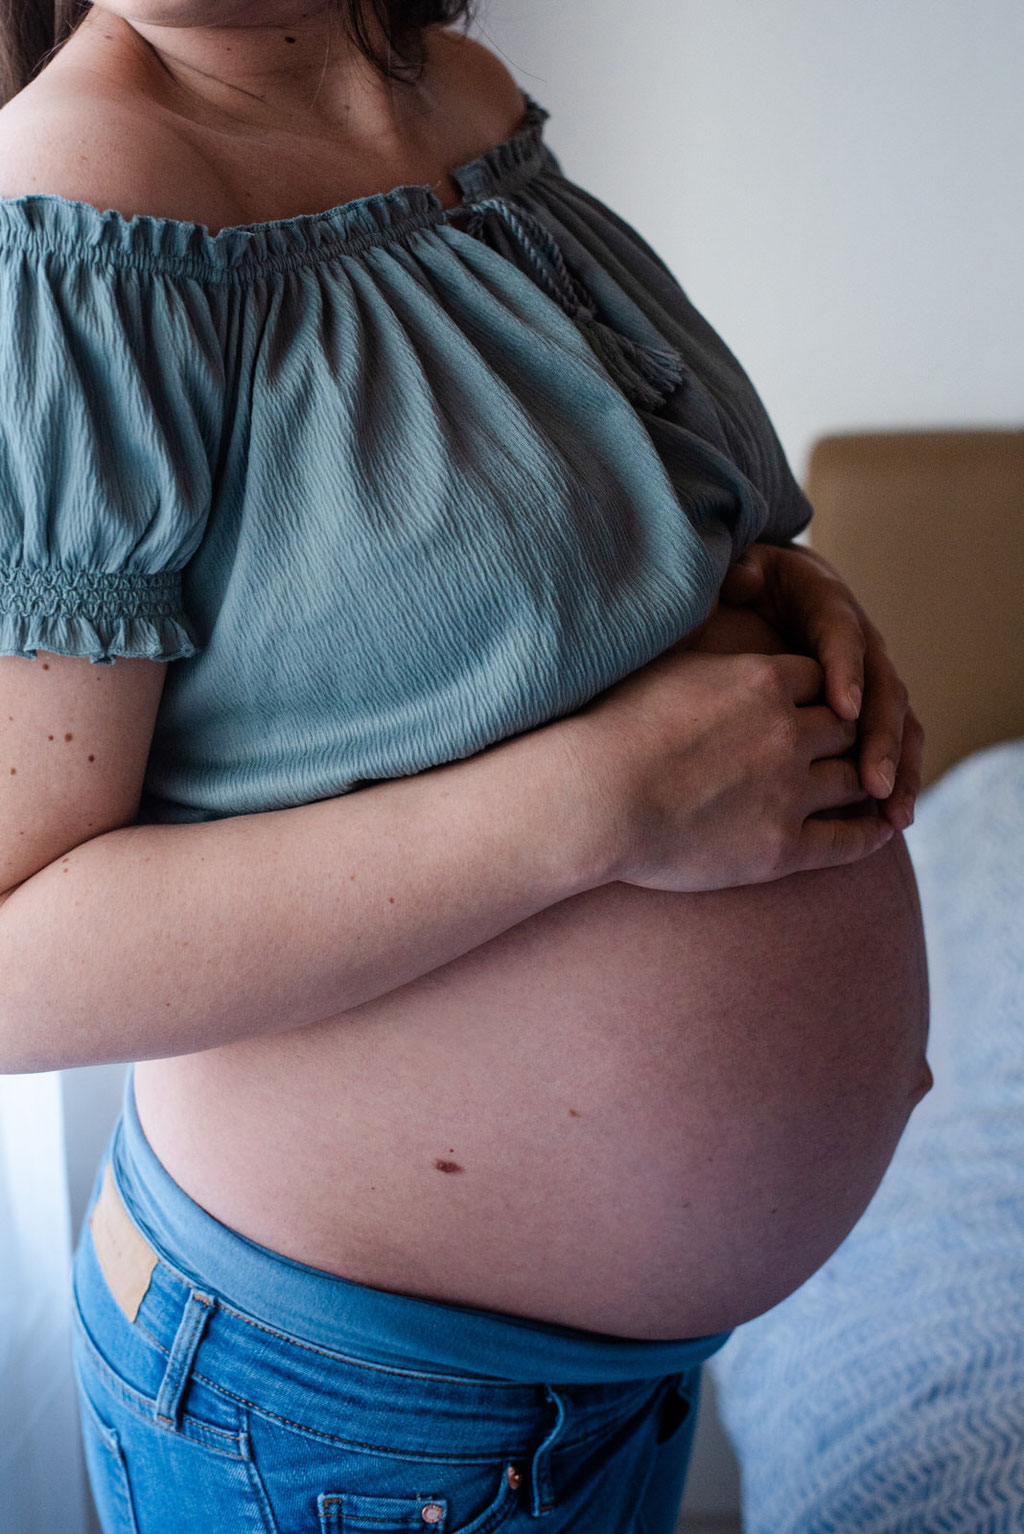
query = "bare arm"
{"x": 151, "y": 941}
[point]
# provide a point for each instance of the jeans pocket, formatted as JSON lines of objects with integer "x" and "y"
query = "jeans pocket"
{"x": 105, "y": 1463}
{"x": 353, "y": 1512}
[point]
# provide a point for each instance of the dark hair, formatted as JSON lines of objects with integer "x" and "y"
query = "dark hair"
{"x": 400, "y": 23}
{"x": 389, "y": 34}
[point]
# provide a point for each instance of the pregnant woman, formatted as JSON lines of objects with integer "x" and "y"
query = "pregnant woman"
{"x": 428, "y": 759}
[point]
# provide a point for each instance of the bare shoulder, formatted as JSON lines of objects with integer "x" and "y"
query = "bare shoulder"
{"x": 83, "y": 142}
{"x": 480, "y": 77}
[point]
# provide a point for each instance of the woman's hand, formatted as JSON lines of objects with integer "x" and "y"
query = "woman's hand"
{"x": 709, "y": 768}
{"x": 801, "y": 595}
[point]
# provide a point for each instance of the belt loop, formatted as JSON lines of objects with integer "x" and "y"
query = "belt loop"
{"x": 197, "y": 1311}
{"x": 543, "y": 1499}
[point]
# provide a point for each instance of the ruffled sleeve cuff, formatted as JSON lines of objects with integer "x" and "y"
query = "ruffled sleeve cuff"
{"x": 94, "y": 614}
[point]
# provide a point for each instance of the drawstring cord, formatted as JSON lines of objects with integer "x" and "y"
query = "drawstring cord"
{"x": 534, "y": 239}
{"x": 646, "y": 374}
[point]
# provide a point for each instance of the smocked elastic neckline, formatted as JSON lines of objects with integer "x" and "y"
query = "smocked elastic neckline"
{"x": 145, "y": 239}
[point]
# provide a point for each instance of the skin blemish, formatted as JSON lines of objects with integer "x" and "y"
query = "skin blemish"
{"x": 92, "y": 758}
{"x": 391, "y": 900}
{"x": 449, "y": 1166}
{"x": 574, "y": 1113}
{"x": 69, "y": 736}
{"x": 289, "y": 39}
{"x": 14, "y": 772}
{"x": 46, "y": 665}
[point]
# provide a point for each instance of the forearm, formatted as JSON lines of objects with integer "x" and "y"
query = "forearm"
{"x": 152, "y": 941}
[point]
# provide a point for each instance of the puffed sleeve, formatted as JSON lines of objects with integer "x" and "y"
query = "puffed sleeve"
{"x": 111, "y": 383}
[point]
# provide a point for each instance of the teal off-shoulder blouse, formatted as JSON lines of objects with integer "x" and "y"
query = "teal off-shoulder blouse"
{"x": 383, "y": 484}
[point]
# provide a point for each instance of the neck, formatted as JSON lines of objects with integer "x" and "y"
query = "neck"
{"x": 271, "y": 65}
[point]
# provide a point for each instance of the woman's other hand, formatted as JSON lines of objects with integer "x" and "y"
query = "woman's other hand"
{"x": 720, "y": 764}
{"x": 802, "y": 596}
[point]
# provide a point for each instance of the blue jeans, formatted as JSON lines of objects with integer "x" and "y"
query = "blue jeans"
{"x": 225, "y": 1386}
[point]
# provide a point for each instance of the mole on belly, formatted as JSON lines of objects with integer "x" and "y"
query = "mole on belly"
{"x": 449, "y": 1166}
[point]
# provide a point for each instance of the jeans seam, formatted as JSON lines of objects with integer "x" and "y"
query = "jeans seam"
{"x": 364, "y": 1363}
{"x": 256, "y": 1482}
{"x": 347, "y": 1358}
{"x": 301, "y": 1427}
{"x": 112, "y": 1440}
{"x": 369, "y": 1448}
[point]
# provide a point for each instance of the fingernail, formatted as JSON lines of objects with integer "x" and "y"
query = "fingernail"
{"x": 887, "y": 773}
{"x": 904, "y": 813}
{"x": 855, "y": 698}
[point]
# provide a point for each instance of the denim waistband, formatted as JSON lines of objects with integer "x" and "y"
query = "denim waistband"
{"x": 388, "y": 1329}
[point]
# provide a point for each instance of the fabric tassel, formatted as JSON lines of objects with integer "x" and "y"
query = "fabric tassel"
{"x": 647, "y": 375}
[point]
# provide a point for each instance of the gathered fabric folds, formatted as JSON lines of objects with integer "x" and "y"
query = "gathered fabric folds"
{"x": 383, "y": 484}
{"x": 646, "y": 374}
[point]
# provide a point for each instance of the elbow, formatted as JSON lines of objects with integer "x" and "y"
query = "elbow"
{"x": 22, "y": 1062}
{"x": 20, "y": 1055}
{"x": 9, "y": 1059}
{"x": 25, "y": 1050}
{"x": 21, "y": 1051}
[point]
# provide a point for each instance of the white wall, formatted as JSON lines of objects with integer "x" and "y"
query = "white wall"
{"x": 836, "y": 183}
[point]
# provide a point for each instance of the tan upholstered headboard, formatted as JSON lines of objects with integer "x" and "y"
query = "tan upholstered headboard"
{"x": 928, "y": 530}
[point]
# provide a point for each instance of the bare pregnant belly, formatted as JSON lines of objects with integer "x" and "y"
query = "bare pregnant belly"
{"x": 642, "y": 1113}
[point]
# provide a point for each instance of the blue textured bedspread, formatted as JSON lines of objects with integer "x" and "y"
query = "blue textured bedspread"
{"x": 886, "y": 1396}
